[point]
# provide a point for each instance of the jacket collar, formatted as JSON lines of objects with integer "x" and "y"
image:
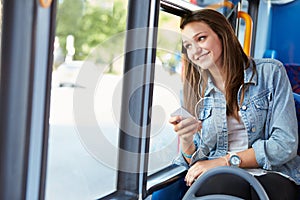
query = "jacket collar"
{"x": 248, "y": 73}
{"x": 210, "y": 86}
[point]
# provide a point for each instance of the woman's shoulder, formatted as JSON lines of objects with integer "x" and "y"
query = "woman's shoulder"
{"x": 267, "y": 62}
{"x": 268, "y": 65}
{"x": 268, "y": 69}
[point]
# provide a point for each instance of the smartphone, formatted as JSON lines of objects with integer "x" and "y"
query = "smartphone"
{"x": 182, "y": 112}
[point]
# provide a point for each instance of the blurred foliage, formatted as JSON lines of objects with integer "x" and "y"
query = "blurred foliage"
{"x": 94, "y": 24}
{"x": 89, "y": 24}
{"x": 67, "y": 23}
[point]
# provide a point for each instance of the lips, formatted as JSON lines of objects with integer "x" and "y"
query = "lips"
{"x": 203, "y": 54}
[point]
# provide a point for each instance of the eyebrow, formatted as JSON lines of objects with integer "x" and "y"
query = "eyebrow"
{"x": 197, "y": 34}
{"x": 187, "y": 40}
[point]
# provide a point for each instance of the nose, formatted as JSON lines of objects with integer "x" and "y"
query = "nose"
{"x": 196, "y": 49}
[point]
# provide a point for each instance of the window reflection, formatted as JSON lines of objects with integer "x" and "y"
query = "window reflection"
{"x": 166, "y": 95}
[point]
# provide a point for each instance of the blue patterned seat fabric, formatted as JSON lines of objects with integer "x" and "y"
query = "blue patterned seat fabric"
{"x": 293, "y": 72}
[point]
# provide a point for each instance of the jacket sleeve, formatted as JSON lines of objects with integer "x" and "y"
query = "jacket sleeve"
{"x": 281, "y": 131}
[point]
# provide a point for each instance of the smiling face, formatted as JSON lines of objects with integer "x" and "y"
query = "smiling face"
{"x": 202, "y": 45}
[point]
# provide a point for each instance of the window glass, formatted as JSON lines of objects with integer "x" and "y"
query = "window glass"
{"x": 167, "y": 92}
{"x": 242, "y": 24}
{"x": 83, "y": 135}
{"x": 86, "y": 89}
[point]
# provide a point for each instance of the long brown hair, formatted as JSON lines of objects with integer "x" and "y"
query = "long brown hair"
{"x": 233, "y": 57}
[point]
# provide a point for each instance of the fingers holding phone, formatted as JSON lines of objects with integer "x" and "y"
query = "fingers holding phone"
{"x": 185, "y": 124}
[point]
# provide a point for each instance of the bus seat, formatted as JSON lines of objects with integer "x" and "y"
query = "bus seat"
{"x": 293, "y": 72}
{"x": 297, "y": 103}
{"x": 269, "y": 53}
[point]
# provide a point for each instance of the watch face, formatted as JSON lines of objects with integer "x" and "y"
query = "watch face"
{"x": 235, "y": 160}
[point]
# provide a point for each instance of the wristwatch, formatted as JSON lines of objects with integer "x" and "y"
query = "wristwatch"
{"x": 234, "y": 160}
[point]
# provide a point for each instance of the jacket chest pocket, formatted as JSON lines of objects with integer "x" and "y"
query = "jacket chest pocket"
{"x": 261, "y": 103}
{"x": 209, "y": 131}
{"x": 211, "y": 113}
{"x": 260, "y": 108}
{"x": 212, "y": 125}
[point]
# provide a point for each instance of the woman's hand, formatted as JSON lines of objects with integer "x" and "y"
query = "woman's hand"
{"x": 185, "y": 128}
{"x": 201, "y": 167}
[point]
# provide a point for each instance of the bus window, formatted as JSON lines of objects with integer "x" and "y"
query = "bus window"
{"x": 85, "y": 100}
{"x": 166, "y": 94}
{"x": 88, "y": 64}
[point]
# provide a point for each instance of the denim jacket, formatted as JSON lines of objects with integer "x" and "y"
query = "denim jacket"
{"x": 269, "y": 116}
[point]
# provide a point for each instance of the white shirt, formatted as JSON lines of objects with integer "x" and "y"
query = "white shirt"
{"x": 238, "y": 140}
{"x": 237, "y": 134}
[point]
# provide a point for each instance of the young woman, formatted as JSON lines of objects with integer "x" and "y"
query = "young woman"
{"x": 244, "y": 112}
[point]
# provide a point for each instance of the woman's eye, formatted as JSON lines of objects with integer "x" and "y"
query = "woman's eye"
{"x": 201, "y": 38}
{"x": 187, "y": 46}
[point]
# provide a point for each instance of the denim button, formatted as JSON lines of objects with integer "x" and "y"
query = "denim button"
{"x": 244, "y": 107}
{"x": 253, "y": 129}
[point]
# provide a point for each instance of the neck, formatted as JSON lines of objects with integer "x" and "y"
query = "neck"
{"x": 218, "y": 78}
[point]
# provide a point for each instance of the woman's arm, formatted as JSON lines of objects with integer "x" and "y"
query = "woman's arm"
{"x": 247, "y": 157}
{"x": 185, "y": 129}
{"x": 280, "y": 144}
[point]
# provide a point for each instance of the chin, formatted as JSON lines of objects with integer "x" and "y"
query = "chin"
{"x": 204, "y": 64}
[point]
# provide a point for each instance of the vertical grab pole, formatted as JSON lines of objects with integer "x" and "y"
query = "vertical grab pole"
{"x": 248, "y": 31}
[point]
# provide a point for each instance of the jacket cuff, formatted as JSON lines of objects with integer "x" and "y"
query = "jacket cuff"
{"x": 260, "y": 155}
